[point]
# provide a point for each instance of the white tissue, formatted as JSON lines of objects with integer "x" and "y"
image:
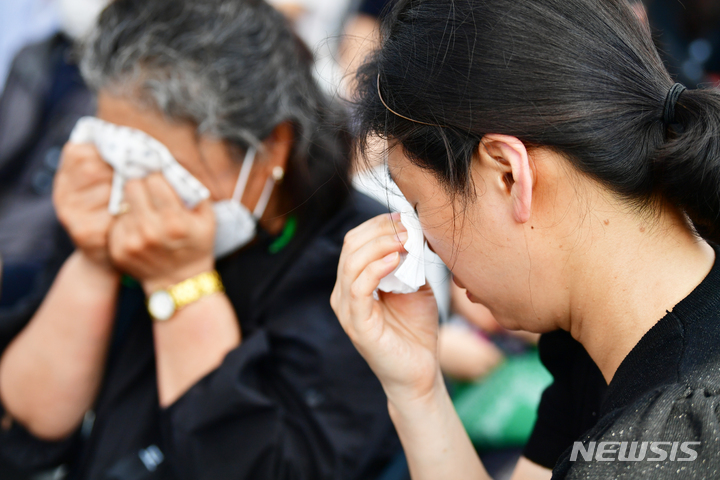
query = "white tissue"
{"x": 409, "y": 276}
{"x": 135, "y": 154}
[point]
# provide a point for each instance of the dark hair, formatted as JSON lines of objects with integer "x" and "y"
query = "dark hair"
{"x": 579, "y": 76}
{"x": 234, "y": 68}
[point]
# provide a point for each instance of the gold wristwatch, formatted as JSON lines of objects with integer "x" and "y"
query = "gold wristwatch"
{"x": 163, "y": 304}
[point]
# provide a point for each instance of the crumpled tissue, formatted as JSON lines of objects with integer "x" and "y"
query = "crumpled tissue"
{"x": 135, "y": 154}
{"x": 409, "y": 275}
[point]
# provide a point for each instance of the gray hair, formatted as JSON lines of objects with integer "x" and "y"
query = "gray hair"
{"x": 232, "y": 67}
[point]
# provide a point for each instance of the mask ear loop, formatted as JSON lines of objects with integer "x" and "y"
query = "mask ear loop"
{"x": 244, "y": 174}
{"x": 264, "y": 198}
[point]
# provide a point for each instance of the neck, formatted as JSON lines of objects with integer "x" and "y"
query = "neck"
{"x": 275, "y": 215}
{"x": 639, "y": 269}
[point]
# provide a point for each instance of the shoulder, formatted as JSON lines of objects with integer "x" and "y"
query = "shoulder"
{"x": 357, "y": 208}
{"x": 673, "y": 429}
{"x": 316, "y": 262}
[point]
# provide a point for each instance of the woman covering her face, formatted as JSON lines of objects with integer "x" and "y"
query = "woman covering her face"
{"x": 236, "y": 367}
{"x": 569, "y": 184}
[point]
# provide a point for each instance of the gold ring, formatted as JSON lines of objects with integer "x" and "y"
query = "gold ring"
{"x": 124, "y": 208}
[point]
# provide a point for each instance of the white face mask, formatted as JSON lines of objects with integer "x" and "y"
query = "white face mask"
{"x": 235, "y": 225}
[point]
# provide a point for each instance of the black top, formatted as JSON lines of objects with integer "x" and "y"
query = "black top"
{"x": 294, "y": 400}
{"x": 570, "y": 406}
{"x": 666, "y": 390}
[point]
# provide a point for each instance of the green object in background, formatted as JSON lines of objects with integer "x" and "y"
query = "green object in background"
{"x": 499, "y": 411}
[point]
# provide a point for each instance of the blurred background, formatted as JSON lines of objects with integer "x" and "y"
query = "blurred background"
{"x": 496, "y": 376}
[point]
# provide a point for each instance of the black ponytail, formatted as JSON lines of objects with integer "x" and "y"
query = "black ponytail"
{"x": 582, "y": 77}
{"x": 688, "y": 165}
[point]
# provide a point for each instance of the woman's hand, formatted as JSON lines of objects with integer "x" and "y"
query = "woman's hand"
{"x": 397, "y": 334}
{"x": 81, "y": 194}
{"x": 158, "y": 240}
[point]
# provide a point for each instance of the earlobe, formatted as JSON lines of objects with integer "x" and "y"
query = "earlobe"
{"x": 277, "y": 147}
{"x": 510, "y": 155}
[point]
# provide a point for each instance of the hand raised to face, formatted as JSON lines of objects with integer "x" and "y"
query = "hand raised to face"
{"x": 395, "y": 333}
{"x": 81, "y": 194}
{"x": 158, "y": 240}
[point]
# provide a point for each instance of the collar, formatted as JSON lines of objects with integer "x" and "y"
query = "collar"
{"x": 673, "y": 348}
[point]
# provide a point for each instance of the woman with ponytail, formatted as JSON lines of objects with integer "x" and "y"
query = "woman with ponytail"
{"x": 569, "y": 184}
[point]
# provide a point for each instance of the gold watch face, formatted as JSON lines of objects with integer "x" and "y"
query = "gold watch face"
{"x": 161, "y": 305}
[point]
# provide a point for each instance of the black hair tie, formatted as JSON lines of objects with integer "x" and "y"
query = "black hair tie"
{"x": 670, "y": 103}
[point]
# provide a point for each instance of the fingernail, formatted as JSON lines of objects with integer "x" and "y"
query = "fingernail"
{"x": 390, "y": 258}
{"x": 402, "y": 237}
{"x": 400, "y": 227}
{"x": 395, "y": 216}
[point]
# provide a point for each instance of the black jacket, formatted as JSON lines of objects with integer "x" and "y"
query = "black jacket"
{"x": 294, "y": 401}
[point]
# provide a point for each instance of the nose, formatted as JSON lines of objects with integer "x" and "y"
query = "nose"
{"x": 458, "y": 283}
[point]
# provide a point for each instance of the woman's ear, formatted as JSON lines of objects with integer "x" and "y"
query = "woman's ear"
{"x": 510, "y": 159}
{"x": 277, "y": 147}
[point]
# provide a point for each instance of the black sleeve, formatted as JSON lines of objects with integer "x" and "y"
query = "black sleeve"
{"x": 293, "y": 401}
{"x": 18, "y": 447}
{"x": 571, "y": 404}
{"x": 29, "y": 454}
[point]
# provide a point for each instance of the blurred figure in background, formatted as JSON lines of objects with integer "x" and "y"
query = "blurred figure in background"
{"x": 361, "y": 37}
{"x": 320, "y": 24}
{"x": 256, "y": 382}
{"x": 687, "y": 33}
{"x": 473, "y": 343}
{"x": 23, "y": 22}
{"x": 315, "y": 21}
{"x": 496, "y": 380}
{"x": 44, "y": 96}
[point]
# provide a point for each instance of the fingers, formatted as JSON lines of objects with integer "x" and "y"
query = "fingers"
{"x": 95, "y": 197}
{"x": 140, "y": 226}
{"x": 158, "y": 222}
{"x": 81, "y": 193}
{"x": 373, "y": 250}
{"x": 364, "y": 269}
{"x": 81, "y": 166}
{"x": 125, "y": 240}
{"x": 206, "y": 214}
{"x": 82, "y": 174}
{"x": 359, "y": 274}
{"x": 367, "y": 243}
{"x": 370, "y": 277}
{"x": 381, "y": 225}
{"x": 205, "y": 208}
{"x": 137, "y": 195}
{"x": 161, "y": 194}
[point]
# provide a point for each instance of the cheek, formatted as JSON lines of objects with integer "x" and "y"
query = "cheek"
{"x": 494, "y": 270}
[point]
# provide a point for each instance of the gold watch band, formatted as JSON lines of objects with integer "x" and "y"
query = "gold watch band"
{"x": 195, "y": 288}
